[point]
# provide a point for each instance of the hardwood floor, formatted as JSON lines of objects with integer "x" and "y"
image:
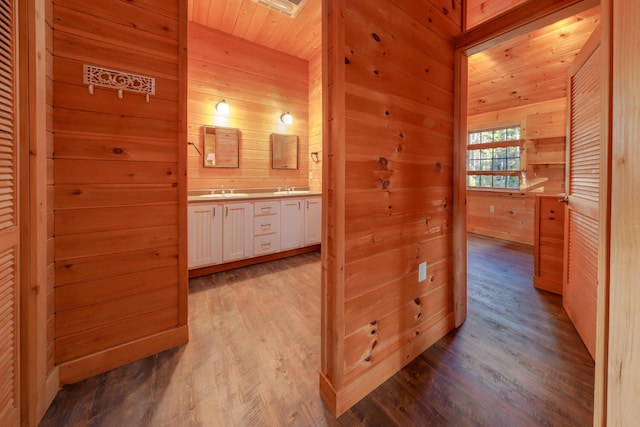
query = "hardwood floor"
{"x": 253, "y": 359}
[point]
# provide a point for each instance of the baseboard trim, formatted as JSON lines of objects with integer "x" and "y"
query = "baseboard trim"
{"x": 51, "y": 387}
{"x": 204, "y": 271}
{"x": 97, "y": 363}
{"x": 342, "y": 399}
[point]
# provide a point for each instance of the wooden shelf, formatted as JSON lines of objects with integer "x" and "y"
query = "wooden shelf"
{"x": 532, "y": 184}
{"x": 545, "y": 163}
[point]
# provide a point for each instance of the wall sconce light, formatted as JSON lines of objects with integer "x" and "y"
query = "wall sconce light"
{"x": 286, "y": 118}
{"x": 222, "y": 107}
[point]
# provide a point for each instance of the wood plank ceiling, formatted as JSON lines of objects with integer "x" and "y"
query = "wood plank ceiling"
{"x": 530, "y": 68}
{"x": 300, "y": 36}
{"x": 479, "y": 11}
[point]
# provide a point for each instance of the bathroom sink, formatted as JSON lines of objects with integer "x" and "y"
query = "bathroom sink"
{"x": 281, "y": 193}
{"x": 223, "y": 196}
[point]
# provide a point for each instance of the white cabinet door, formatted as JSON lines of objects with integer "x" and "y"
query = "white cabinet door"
{"x": 312, "y": 221}
{"x": 237, "y": 233}
{"x": 291, "y": 224}
{"x": 205, "y": 235}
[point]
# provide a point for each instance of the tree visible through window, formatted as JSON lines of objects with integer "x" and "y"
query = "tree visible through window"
{"x": 494, "y": 158}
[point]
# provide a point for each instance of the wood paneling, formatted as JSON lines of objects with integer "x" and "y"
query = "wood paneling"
{"x": 315, "y": 122}
{"x": 623, "y": 311}
{"x": 300, "y": 36}
{"x": 507, "y": 216}
{"x": 530, "y": 68}
{"x": 116, "y": 186}
{"x": 40, "y": 376}
{"x": 478, "y": 11}
{"x": 389, "y": 191}
{"x": 51, "y": 231}
{"x": 543, "y": 129}
{"x": 259, "y": 84}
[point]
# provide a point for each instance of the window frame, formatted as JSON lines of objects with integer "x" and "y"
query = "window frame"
{"x": 495, "y": 144}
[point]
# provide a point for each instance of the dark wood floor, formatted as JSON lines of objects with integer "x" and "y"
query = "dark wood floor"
{"x": 253, "y": 359}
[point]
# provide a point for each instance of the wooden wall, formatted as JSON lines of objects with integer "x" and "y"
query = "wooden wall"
{"x": 543, "y": 127}
{"x": 259, "y": 84}
{"x": 623, "y": 393}
{"x": 506, "y": 216}
{"x": 315, "y": 121}
{"x": 119, "y": 195}
{"x": 389, "y": 197}
{"x": 39, "y": 375}
{"x": 478, "y": 11}
{"x": 51, "y": 275}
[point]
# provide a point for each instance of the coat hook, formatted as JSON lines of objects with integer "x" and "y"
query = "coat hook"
{"x": 120, "y": 95}
{"x": 91, "y": 89}
{"x": 314, "y": 157}
{"x": 147, "y": 98}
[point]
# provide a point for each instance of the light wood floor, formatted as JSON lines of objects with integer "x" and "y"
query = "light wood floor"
{"x": 253, "y": 359}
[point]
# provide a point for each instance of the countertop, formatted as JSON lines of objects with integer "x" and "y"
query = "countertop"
{"x": 241, "y": 196}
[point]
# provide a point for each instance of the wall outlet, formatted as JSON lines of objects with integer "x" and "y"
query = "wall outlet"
{"x": 492, "y": 208}
{"x": 422, "y": 272}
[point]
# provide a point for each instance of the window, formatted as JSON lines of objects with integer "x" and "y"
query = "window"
{"x": 494, "y": 158}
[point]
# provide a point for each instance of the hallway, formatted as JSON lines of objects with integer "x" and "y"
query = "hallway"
{"x": 254, "y": 353}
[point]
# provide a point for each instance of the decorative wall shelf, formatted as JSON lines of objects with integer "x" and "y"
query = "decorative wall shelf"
{"x": 120, "y": 80}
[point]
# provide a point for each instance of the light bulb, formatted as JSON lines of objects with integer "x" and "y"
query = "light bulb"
{"x": 287, "y": 118}
{"x": 222, "y": 107}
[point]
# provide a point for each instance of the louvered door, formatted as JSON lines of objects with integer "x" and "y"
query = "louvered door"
{"x": 9, "y": 231}
{"x": 583, "y": 183}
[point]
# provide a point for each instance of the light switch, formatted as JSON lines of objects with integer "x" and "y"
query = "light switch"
{"x": 422, "y": 271}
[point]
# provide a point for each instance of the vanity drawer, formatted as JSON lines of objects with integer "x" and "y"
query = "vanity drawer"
{"x": 266, "y": 208}
{"x": 268, "y": 224}
{"x": 266, "y": 244}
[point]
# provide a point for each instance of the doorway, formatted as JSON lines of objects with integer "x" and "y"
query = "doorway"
{"x": 512, "y": 141}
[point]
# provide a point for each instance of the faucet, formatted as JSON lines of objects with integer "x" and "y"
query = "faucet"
{"x": 291, "y": 189}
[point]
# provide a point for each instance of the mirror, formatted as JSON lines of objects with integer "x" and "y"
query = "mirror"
{"x": 284, "y": 151}
{"x": 221, "y": 147}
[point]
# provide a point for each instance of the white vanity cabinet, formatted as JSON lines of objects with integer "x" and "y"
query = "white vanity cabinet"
{"x": 237, "y": 231}
{"x": 222, "y": 232}
{"x": 266, "y": 227}
{"x": 204, "y": 235}
{"x": 291, "y": 224}
{"x": 312, "y": 221}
